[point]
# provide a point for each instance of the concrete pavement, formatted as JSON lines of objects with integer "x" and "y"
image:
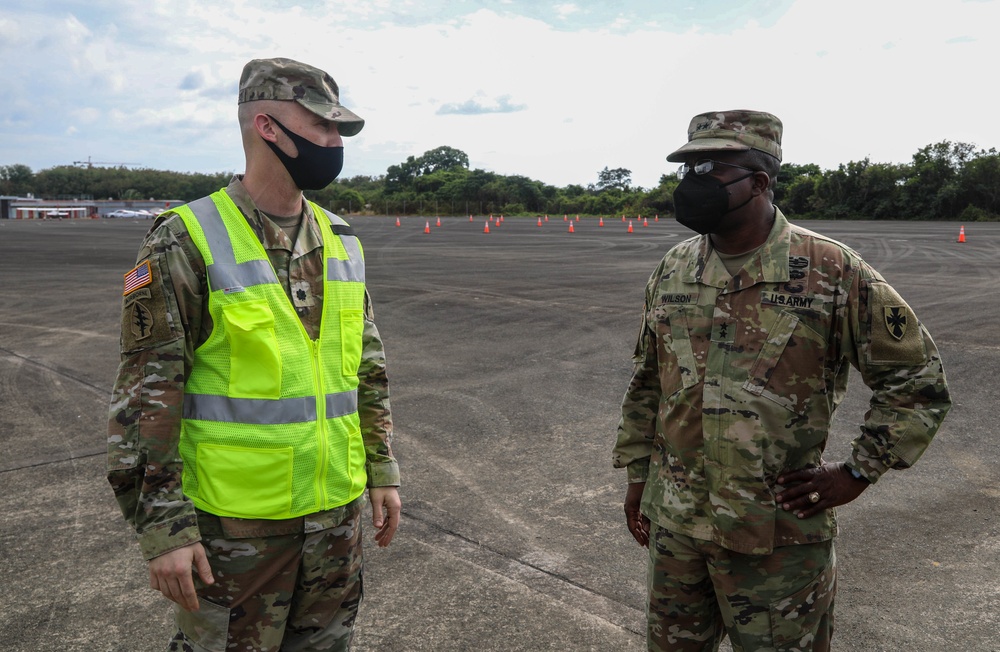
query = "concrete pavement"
{"x": 508, "y": 356}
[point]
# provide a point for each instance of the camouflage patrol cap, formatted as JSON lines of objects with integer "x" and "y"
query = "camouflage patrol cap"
{"x": 285, "y": 79}
{"x": 736, "y": 131}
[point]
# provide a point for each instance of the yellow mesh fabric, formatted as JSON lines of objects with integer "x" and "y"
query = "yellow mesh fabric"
{"x": 302, "y": 467}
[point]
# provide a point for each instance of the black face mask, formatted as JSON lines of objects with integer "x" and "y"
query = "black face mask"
{"x": 701, "y": 201}
{"x": 315, "y": 167}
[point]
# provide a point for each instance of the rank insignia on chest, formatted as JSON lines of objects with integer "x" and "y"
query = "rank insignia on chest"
{"x": 895, "y": 321}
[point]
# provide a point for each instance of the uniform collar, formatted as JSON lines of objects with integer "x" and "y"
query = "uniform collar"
{"x": 768, "y": 265}
{"x": 268, "y": 233}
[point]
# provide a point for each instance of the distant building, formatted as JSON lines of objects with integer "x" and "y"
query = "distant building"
{"x": 29, "y": 208}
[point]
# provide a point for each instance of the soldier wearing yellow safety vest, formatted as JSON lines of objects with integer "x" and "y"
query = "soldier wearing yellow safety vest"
{"x": 251, "y": 408}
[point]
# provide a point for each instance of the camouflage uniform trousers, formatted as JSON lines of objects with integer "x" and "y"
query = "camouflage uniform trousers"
{"x": 294, "y": 592}
{"x": 698, "y": 591}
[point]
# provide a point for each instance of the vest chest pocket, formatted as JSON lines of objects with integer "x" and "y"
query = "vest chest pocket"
{"x": 352, "y": 328}
{"x": 254, "y": 358}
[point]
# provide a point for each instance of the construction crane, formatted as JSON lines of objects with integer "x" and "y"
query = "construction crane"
{"x": 89, "y": 164}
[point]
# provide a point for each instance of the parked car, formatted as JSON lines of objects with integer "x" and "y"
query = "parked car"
{"x": 140, "y": 214}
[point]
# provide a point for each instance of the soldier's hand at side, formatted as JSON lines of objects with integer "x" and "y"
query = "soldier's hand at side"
{"x": 385, "y": 513}
{"x": 637, "y": 523}
{"x": 832, "y": 483}
{"x": 171, "y": 574}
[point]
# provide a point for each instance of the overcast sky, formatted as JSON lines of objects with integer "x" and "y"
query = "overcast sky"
{"x": 554, "y": 91}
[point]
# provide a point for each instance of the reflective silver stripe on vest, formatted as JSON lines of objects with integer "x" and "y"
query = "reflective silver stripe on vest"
{"x": 259, "y": 411}
{"x": 351, "y": 270}
{"x": 224, "y": 273}
{"x": 341, "y": 404}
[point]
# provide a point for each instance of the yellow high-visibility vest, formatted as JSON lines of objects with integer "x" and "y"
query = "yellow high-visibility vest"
{"x": 270, "y": 427}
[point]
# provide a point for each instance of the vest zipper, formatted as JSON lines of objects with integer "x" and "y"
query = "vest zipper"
{"x": 321, "y": 442}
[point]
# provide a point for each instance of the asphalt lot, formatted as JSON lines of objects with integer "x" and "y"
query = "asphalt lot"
{"x": 508, "y": 357}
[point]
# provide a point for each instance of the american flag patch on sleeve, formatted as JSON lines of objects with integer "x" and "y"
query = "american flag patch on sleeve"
{"x": 139, "y": 277}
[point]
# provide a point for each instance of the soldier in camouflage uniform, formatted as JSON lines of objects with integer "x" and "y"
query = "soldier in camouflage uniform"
{"x": 249, "y": 583}
{"x": 748, "y": 333}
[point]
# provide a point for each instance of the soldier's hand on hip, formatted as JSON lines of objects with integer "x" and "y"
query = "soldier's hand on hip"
{"x": 637, "y": 523}
{"x": 172, "y": 574}
{"x": 815, "y": 489}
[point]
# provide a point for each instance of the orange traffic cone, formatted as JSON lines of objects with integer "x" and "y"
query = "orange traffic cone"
{"x": 397, "y": 221}
{"x": 630, "y": 226}
{"x": 571, "y": 227}
{"x": 438, "y": 222}
{"x": 539, "y": 221}
{"x": 470, "y": 218}
{"x": 577, "y": 218}
{"x": 623, "y": 218}
{"x": 601, "y": 223}
{"x": 961, "y": 234}
{"x": 486, "y": 229}
{"x": 645, "y": 222}
{"x": 565, "y": 218}
{"x": 546, "y": 218}
{"x": 427, "y": 227}
{"x": 657, "y": 218}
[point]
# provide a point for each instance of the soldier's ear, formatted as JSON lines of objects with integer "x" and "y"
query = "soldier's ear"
{"x": 761, "y": 182}
{"x": 264, "y": 124}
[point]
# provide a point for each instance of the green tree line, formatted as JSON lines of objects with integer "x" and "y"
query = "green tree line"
{"x": 944, "y": 181}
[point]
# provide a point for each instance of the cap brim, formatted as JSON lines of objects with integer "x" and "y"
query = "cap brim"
{"x": 348, "y": 122}
{"x": 706, "y": 145}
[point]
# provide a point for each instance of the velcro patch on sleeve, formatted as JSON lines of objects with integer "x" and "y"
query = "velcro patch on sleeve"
{"x": 145, "y": 323}
{"x": 139, "y": 277}
{"x": 895, "y": 332}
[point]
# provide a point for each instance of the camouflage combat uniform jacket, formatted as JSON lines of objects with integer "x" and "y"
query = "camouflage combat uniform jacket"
{"x": 163, "y": 323}
{"x": 736, "y": 380}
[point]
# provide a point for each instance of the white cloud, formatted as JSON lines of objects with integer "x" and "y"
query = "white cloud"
{"x": 566, "y": 10}
{"x": 157, "y": 81}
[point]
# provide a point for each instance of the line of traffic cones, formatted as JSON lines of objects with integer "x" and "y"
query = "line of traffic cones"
{"x": 497, "y": 220}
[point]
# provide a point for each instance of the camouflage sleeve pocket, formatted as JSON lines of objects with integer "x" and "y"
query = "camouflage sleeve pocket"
{"x": 123, "y": 421}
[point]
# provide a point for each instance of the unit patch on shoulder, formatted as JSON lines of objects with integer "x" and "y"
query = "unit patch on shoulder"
{"x": 141, "y": 320}
{"x": 895, "y": 320}
{"x": 896, "y": 337}
{"x": 140, "y": 276}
